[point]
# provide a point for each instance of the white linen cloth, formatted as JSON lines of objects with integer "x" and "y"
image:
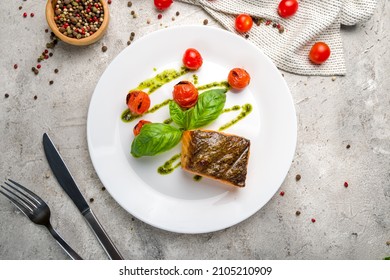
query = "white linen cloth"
{"x": 315, "y": 20}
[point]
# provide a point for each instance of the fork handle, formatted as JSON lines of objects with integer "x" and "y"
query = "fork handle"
{"x": 63, "y": 244}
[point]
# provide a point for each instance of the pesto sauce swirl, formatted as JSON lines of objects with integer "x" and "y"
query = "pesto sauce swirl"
{"x": 169, "y": 165}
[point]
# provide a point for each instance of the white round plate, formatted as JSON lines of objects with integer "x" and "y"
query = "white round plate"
{"x": 176, "y": 202}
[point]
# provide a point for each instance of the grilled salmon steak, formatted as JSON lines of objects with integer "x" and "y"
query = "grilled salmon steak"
{"x": 220, "y": 156}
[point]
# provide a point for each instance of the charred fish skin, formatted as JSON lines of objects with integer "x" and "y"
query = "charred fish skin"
{"x": 216, "y": 155}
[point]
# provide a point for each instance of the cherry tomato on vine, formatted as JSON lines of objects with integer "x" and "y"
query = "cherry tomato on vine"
{"x": 319, "y": 53}
{"x": 192, "y": 59}
{"x": 137, "y": 128}
{"x": 238, "y": 78}
{"x": 185, "y": 94}
{"x": 138, "y": 102}
{"x": 287, "y": 8}
{"x": 162, "y": 4}
{"x": 243, "y": 23}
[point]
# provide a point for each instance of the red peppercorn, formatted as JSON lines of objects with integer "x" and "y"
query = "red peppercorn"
{"x": 46, "y": 51}
{"x": 46, "y": 56}
{"x": 281, "y": 193}
{"x": 24, "y": 14}
{"x": 109, "y": 1}
{"x": 39, "y": 66}
{"x": 313, "y": 220}
{"x": 346, "y": 184}
{"x": 268, "y": 22}
{"x": 15, "y": 66}
{"x": 32, "y": 15}
{"x": 159, "y": 16}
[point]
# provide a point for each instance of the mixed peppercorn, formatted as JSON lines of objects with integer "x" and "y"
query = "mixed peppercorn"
{"x": 78, "y": 18}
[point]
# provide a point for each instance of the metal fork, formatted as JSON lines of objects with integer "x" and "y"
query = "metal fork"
{"x": 36, "y": 210}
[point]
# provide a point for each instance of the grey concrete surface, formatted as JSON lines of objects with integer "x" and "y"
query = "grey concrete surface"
{"x": 332, "y": 112}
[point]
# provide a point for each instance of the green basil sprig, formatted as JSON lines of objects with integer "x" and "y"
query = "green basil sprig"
{"x": 209, "y": 106}
{"x": 155, "y": 138}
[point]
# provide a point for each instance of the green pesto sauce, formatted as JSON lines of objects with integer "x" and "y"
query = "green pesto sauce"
{"x": 224, "y": 84}
{"x": 234, "y": 108}
{"x": 197, "y": 178}
{"x": 196, "y": 79}
{"x": 128, "y": 117}
{"x": 168, "y": 121}
{"x": 245, "y": 110}
{"x": 169, "y": 165}
{"x": 161, "y": 79}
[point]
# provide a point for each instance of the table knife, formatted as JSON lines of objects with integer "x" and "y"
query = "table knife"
{"x": 67, "y": 182}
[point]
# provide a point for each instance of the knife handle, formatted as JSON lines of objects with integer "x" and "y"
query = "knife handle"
{"x": 102, "y": 236}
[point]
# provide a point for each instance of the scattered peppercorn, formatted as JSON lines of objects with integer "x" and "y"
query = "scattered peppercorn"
{"x": 47, "y": 30}
{"x": 51, "y": 82}
{"x": 298, "y": 213}
{"x": 24, "y": 14}
{"x": 298, "y": 177}
{"x": 104, "y": 48}
{"x": 173, "y": 18}
{"x": 388, "y": 243}
{"x": 281, "y": 193}
{"x": 103, "y": 188}
{"x": 159, "y": 16}
{"x": 129, "y": 4}
{"x": 15, "y": 66}
{"x": 132, "y": 13}
{"x": 348, "y": 146}
{"x": 313, "y": 220}
{"x": 32, "y": 15}
{"x": 148, "y": 21}
{"x": 177, "y": 14}
{"x": 56, "y": 70}
{"x": 109, "y": 2}
{"x": 246, "y": 36}
{"x": 346, "y": 184}
{"x": 39, "y": 66}
{"x": 128, "y": 43}
{"x": 6, "y": 95}
{"x": 274, "y": 25}
{"x": 281, "y": 29}
{"x": 20, "y": 7}
{"x": 268, "y": 22}
{"x": 35, "y": 97}
{"x": 91, "y": 200}
{"x": 205, "y": 22}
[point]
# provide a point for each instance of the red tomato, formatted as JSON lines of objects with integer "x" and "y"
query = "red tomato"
{"x": 238, "y": 78}
{"x": 287, "y": 8}
{"x": 192, "y": 59}
{"x": 162, "y": 4}
{"x": 138, "y": 102}
{"x": 185, "y": 94}
{"x": 138, "y": 126}
{"x": 244, "y": 23}
{"x": 319, "y": 53}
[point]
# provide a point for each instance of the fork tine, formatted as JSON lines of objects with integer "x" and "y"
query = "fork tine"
{"x": 25, "y": 209}
{"x": 33, "y": 196}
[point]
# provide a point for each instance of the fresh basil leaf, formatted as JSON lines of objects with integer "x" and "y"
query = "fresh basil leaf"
{"x": 155, "y": 138}
{"x": 177, "y": 114}
{"x": 209, "y": 106}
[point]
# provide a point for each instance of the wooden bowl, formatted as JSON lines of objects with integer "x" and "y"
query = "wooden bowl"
{"x": 73, "y": 41}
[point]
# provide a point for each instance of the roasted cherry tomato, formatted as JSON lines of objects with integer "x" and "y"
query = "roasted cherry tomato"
{"x": 138, "y": 126}
{"x": 162, "y": 4}
{"x": 319, "y": 53}
{"x": 244, "y": 23}
{"x": 192, "y": 59}
{"x": 238, "y": 78}
{"x": 138, "y": 102}
{"x": 185, "y": 94}
{"x": 287, "y": 8}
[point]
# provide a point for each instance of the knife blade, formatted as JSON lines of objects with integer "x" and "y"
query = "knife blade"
{"x": 66, "y": 181}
